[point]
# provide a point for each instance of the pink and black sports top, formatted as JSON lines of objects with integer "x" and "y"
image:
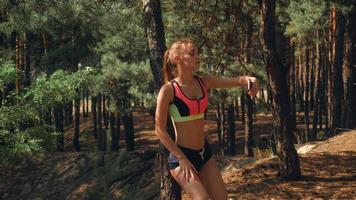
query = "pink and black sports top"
{"x": 183, "y": 108}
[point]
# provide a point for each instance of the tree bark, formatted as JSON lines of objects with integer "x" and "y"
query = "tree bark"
{"x": 289, "y": 167}
{"x": 101, "y": 132}
{"x": 95, "y": 120}
{"x": 338, "y": 88}
{"x": 58, "y": 122}
{"x": 127, "y": 121}
{"x": 317, "y": 89}
{"x": 154, "y": 29}
{"x": 351, "y": 79}
{"x": 307, "y": 88}
{"x": 114, "y": 133}
{"x": 249, "y": 127}
{"x": 231, "y": 130}
{"x": 76, "y": 123}
{"x": 242, "y": 103}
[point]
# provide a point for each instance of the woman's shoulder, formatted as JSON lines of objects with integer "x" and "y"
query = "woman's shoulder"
{"x": 167, "y": 89}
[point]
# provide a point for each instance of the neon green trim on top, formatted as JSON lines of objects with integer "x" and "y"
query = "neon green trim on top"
{"x": 174, "y": 113}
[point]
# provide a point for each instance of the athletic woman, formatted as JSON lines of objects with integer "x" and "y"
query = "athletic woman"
{"x": 184, "y": 97}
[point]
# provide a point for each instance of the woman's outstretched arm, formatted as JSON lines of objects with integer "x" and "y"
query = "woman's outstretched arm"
{"x": 240, "y": 81}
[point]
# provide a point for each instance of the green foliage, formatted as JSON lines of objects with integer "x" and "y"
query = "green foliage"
{"x": 305, "y": 17}
{"x": 123, "y": 81}
{"x": 7, "y": 73}
{"x": 61, "y": 87}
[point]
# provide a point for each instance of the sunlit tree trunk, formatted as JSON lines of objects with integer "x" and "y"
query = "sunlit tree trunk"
{"x": 317, "y": 89}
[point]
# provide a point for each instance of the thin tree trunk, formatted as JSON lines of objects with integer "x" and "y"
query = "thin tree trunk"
{"x": 76, "y": 123}
{"x": 118, "y": 128}
{"x": 307, "y": 87}
{"x": 95, "y": 120}
{"x": 58, "y": 122}
{"x": 289, "y": 167}
{"x": 317, "y": 90}
{"x": 237, "y": 110}
{"x": 105, "y": 116}
{"x": 249, "y": 127}
{"x": 218, "y": 124}
{"x": 293, "y": 90}
{"x": 127, "y": 121}
{"x": 231, "y": 130}
{"x": 114, "y": 136}
{"x": 242, "y": 103}
{"x": 222, "y": 128}
{"x": 101, "y": 132}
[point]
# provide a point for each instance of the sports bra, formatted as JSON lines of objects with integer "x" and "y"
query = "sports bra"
{"x": 183, "y": 108}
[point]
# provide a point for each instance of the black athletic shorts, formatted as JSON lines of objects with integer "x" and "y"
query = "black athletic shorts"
{"x": 197, "y": 157}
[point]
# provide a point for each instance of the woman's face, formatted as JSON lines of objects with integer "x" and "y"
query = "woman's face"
{"x": 189, "y": 57}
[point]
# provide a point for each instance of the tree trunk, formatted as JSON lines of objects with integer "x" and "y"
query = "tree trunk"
{"x": 317, "y": 89}
{"x": 68, "y": 109}
{"x": 85, "y": 114}
{"x": 114, "y": 132}
{"x": 289, "y": 167}
{"x": 127, "y": 121}
{"x": 338, "y": 89}
{"x": 19, "y": 66}
{"x": 218, "y": 124}
{"x": 95, "y": 120}
{"x": 231, "y": 130}
{"x": 292, "y": 85}
{"x": 249, "y": 127}
{"x": 156, "y": 44}
{"x": 222, "y": 129}
{"x": 155, "y": 38}
{"x": 101, "y": 132}
{"x": 58, "y": 122}
{"x": 307, "y": 87}
{"x": 105, "y": 116}
{"x": 242, "y": 103}
{"x": 351, "y": 79}
{"x": 237, "y": 108}
{"x": 76, "y": 123}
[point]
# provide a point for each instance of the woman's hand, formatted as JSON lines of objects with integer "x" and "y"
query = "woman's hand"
{"x": 252, "y": 84}
{"x": 187, "y": 171}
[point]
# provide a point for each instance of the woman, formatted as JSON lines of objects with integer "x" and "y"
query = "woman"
{"x": 185, "y": 97}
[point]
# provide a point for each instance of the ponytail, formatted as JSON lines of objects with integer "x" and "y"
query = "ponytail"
{"x": 167, "y": 67}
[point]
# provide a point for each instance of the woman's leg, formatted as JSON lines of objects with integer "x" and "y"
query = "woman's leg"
{"x": 194, "y": 188}
{"x": 211, "y": 178}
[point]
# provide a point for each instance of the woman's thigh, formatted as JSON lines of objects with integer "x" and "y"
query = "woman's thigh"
{"x": 211, "y": 178}
{"x": 194, "y": 188}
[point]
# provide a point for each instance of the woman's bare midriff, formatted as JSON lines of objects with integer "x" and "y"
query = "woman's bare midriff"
{"x": 190, "y": 134}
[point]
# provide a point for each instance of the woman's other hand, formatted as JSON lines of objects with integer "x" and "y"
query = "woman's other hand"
{"x": 187, "y": 171}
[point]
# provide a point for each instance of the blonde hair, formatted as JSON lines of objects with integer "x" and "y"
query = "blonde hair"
{"x": 169, "y": 68}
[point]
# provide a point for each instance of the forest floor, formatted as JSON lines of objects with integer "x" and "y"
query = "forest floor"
{"x": 328, "y": 168}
